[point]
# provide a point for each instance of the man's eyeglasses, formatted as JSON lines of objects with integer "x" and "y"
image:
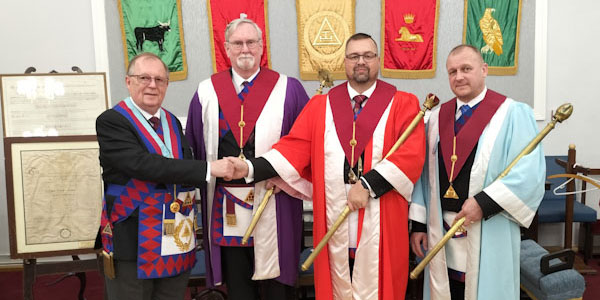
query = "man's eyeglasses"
{"x": 367, "y": 57}
{"x": 146, "y": 79}
{"x": 238, "y": 45}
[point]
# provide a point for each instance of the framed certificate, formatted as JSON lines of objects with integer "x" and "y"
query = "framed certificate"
{"x": 54, "y": 189}
{"x": 52, "y": 104}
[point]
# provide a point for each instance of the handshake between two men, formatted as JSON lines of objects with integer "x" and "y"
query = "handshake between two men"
{"x": 230, "y": 168}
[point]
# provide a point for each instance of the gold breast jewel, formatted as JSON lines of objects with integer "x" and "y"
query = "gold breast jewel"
{"x": 241, "y": 124}
{"x": 451, "y": 193}
{"x": 353, "y": 178}
{"x": 175, "y": 207}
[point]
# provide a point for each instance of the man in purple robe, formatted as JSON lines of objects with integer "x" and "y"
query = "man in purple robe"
{"x": 242, "y": 112}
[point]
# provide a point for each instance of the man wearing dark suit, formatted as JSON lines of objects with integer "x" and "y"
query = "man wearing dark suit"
{"x": 149, "y": 174}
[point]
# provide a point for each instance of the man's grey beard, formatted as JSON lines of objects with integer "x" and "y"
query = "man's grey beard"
{"x": 246, "y": 63}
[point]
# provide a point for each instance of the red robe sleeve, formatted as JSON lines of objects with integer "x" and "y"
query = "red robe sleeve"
{"x": 401, "y": 169}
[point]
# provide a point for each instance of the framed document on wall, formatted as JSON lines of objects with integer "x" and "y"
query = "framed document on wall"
{"x": 52, "y": 104}
{"x": 54, "y": 189}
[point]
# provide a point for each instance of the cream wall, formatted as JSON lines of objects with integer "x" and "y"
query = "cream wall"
{"x": 48, "y": 35}
{"x": 573, "y": 75}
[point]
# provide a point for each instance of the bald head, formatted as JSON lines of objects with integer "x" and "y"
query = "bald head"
{"x": 466, "y": 72}
{"x": 465, "y": 47}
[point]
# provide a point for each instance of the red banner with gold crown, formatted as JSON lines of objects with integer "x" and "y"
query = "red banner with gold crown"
{"x": 221, "y": 12}
{"x": 409, "y": 35}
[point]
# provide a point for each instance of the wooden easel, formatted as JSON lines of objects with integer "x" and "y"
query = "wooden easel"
{"x": 77, "y": 267}
{"x": 32, "y": 268}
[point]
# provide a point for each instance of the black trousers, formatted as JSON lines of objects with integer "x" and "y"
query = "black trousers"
{"x": 238, "y": 267}
{"x": 126, "y": 285}
{"x": 457, "y": 289}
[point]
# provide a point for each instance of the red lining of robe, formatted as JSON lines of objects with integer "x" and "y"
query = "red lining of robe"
{"x": 231, "y": 105}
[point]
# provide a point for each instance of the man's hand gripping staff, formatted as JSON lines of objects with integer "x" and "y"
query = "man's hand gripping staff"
{"x": 325, "y": 81}
{"x": 430, "y": 102}
{"x": 562, "y": 113}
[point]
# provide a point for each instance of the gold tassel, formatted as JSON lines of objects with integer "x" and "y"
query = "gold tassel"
{"x": 168, "y": 227}
{"x": 231, "y": 220}
{"x": 108, "y": 264}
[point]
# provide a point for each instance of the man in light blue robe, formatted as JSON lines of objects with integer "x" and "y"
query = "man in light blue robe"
{"x": 467, "y": 149}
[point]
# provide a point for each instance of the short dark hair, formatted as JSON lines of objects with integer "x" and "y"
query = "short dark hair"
{"x": 134, "y": 60}
{"x": 462, "y": 47}
{"x": 360, "y": 36}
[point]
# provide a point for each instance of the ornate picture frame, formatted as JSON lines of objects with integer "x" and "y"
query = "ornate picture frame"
{"x": 61, "y": 104}
{"x": 54, "y": 195}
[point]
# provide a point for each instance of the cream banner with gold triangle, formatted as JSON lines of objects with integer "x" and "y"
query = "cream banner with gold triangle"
{"x": 323, "y": 28}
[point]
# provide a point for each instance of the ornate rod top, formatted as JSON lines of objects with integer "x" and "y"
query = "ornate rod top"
{"x": 563, "y": 112}
{"x": 431, "y": 101}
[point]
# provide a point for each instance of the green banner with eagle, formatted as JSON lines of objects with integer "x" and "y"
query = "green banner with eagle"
{"x": 154, "y": 26}
{"x": 493, "y": 27}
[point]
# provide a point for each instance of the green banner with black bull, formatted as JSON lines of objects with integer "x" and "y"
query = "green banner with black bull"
{"x": 154, "y": 26}
{"x": 493, "y": 27}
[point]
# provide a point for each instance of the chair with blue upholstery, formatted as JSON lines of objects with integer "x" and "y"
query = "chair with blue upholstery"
{"x": 552, "y": 209}
{"x": 197, "y": 281}
{"x": 545, "y": 276}
{"x": 306, "y": 281}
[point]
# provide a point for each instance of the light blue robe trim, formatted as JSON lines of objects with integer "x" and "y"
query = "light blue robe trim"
{"x": 165, "y": 147}
{"x": 501, "y": 235}
{"x": 521, "y": 190}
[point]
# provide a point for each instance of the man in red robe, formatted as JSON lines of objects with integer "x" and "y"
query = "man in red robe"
{"x": 333, "y": 154}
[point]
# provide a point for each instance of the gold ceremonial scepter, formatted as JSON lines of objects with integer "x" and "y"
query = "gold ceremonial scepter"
{"x": 562, "y": 113}
{"x": 325, "y": 81}
{"x": 430, "y": 102}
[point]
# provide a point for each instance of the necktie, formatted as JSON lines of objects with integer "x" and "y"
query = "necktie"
{"x": 466, "y": 112}
{"x": 245, "y": 90}
{"x": 157, "y": 127}
{"x": 155, "y": 123}
{"x": 358, "y": 100}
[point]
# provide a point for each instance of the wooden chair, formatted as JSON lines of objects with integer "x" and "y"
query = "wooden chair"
{"x": 561, "y": 208}
{"x": 591, "y": 229}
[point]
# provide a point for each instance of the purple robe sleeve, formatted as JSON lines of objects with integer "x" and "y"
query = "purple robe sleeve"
{"x": 194, "y": 128}
{"x": 289, "y": 209}
{"x": 295, "y": 100}
{"x": 194, "y": 132}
